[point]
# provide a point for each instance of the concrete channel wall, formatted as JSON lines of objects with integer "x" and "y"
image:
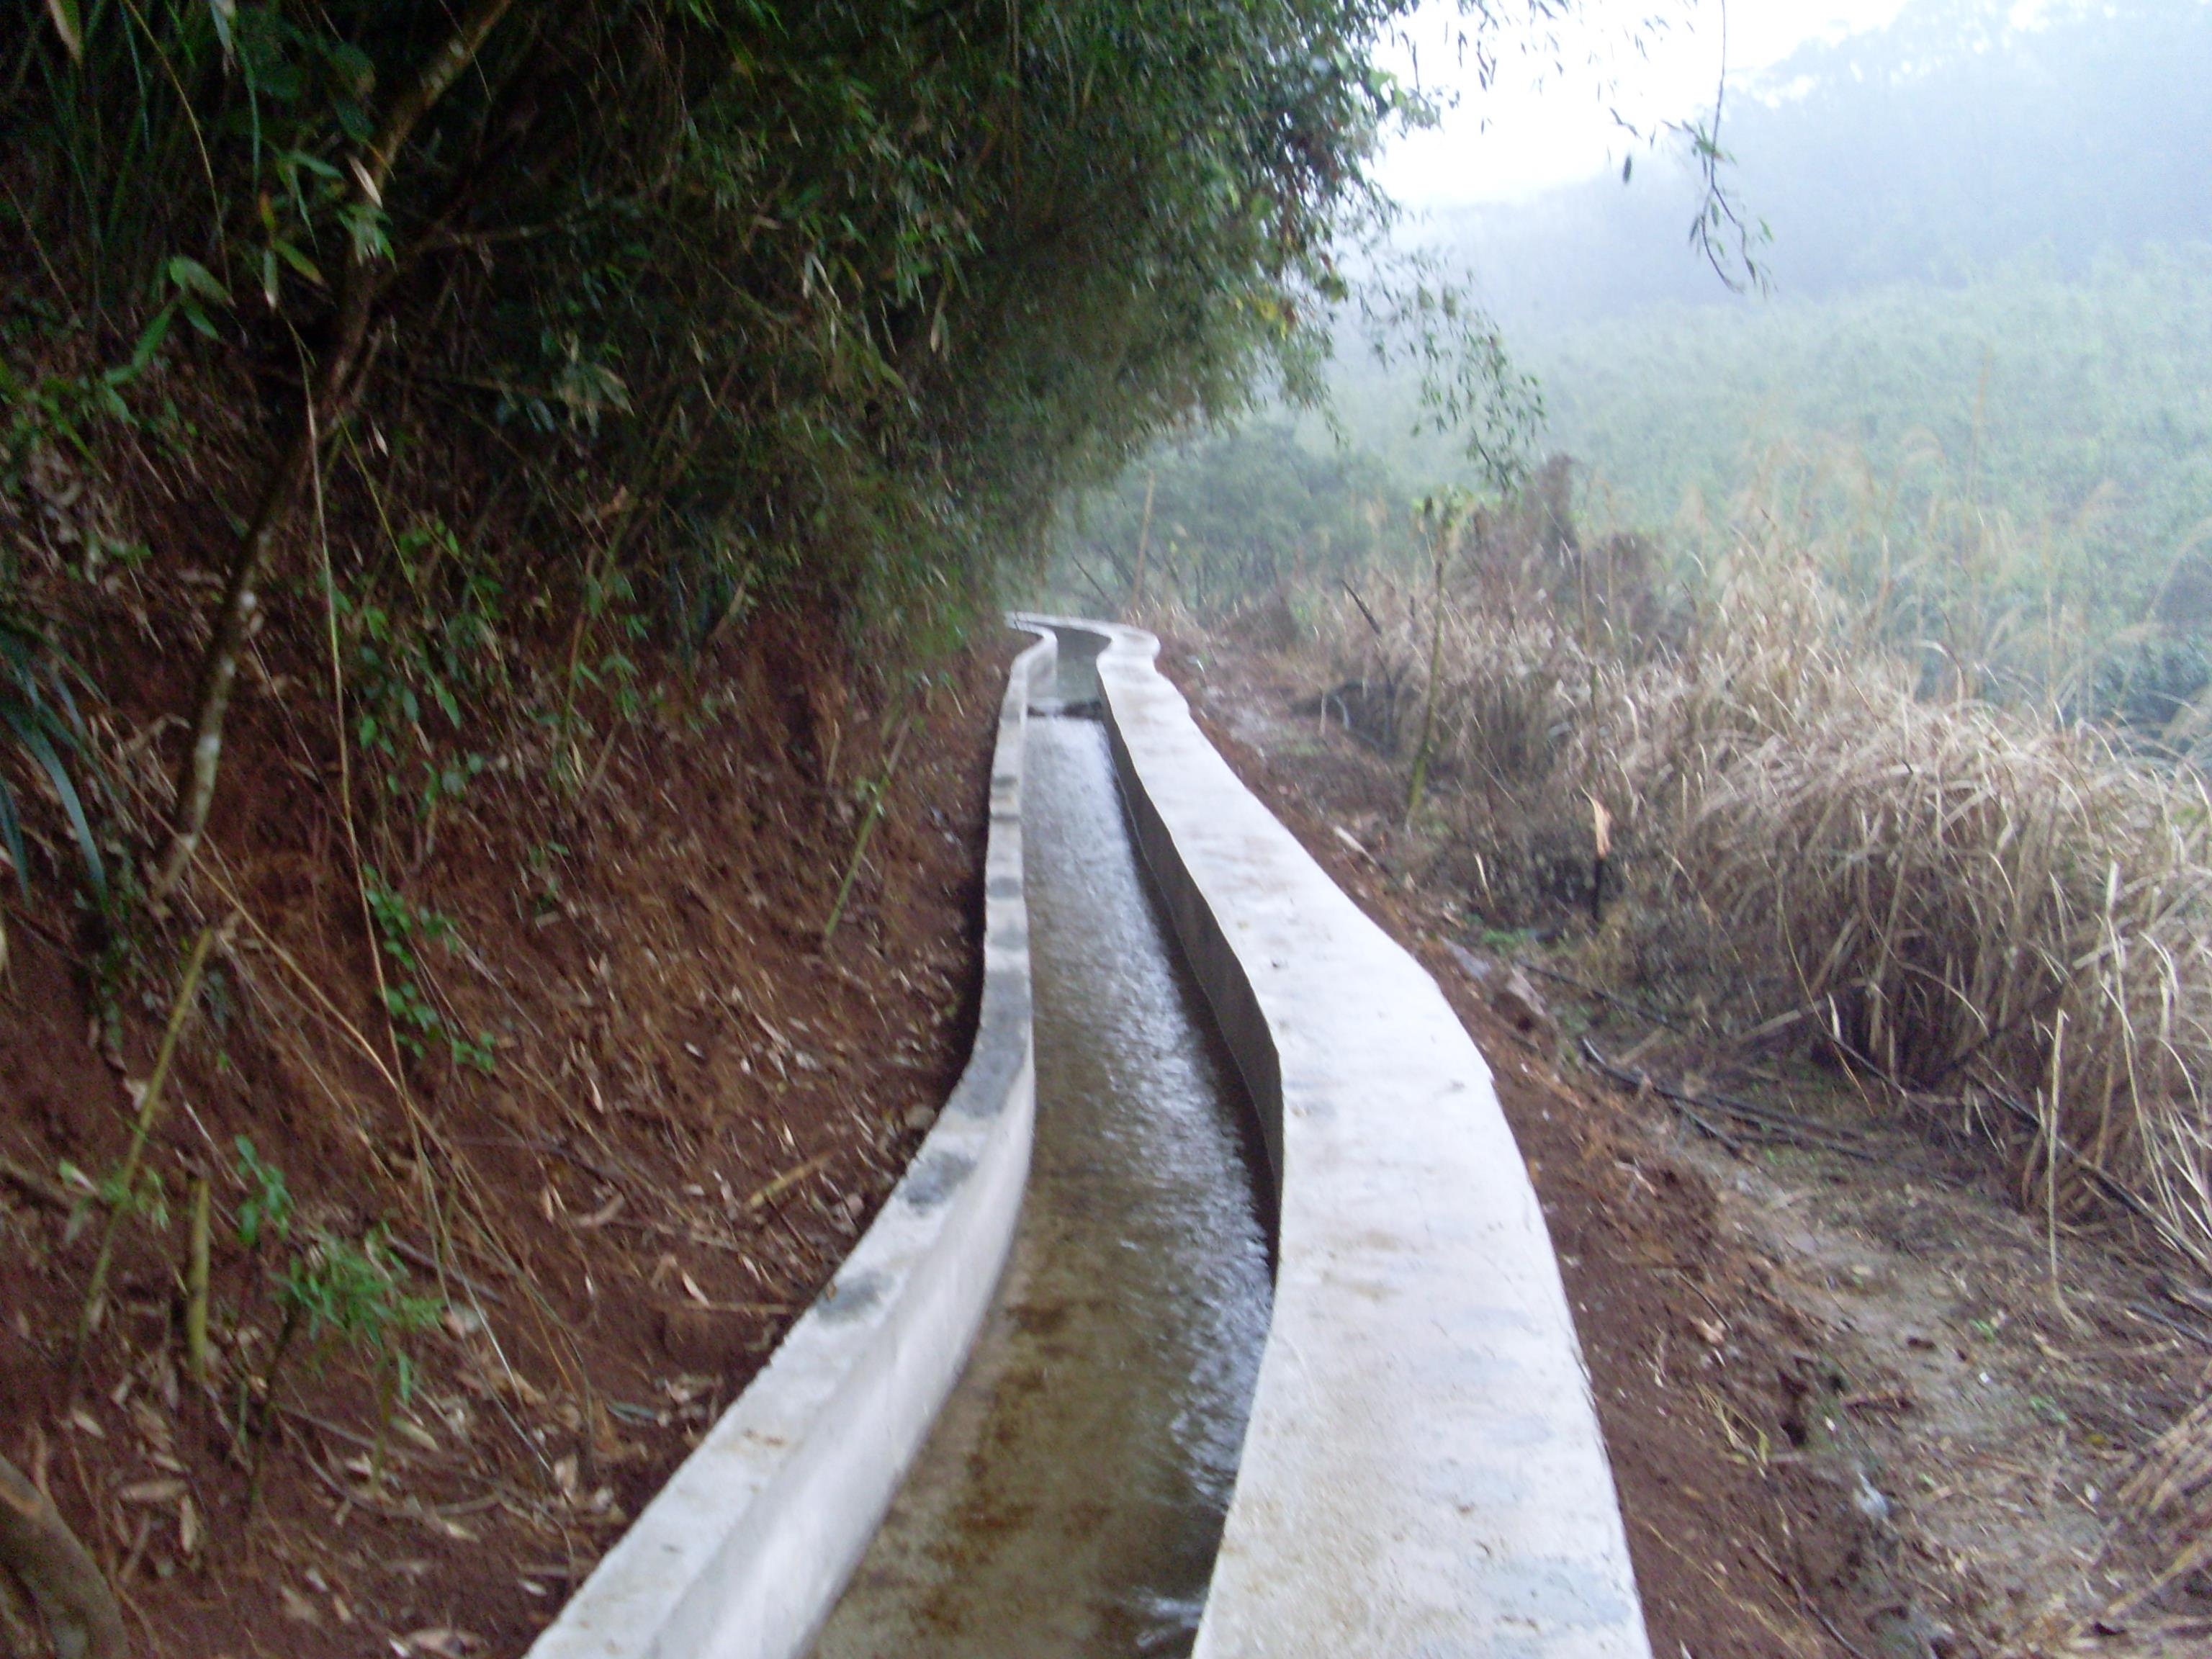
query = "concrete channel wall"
{"x": 743, "y": 1554}
{"x": 1423, "y": 1473}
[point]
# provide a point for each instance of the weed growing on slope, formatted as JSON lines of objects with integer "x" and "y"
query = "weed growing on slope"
{"x": 404, "y": 930}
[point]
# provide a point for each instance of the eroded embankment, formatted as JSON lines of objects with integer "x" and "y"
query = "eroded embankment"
{"x": 743, "y": 1552}
{"x": 683, "y": 1112}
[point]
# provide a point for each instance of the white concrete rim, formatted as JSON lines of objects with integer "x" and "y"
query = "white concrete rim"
{"x": 742, "y": 1555}
{"x": 1423, "y": 1472}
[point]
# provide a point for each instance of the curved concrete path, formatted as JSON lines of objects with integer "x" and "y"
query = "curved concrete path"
{"x": 1423, "y": 1473}
{"x": 1422, "y": 1477}
{"x": 742, "y": 1553}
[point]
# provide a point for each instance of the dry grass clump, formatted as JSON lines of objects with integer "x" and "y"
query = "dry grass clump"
{"x": 1999, "y": 912}
{"x": 1972, "y": 903}
{"x": 1509, "y": 706}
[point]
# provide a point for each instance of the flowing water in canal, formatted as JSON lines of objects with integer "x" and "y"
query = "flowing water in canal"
{"x": 1069, "y": 1501}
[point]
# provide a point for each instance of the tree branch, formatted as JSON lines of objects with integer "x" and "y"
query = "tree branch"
{"x": 335, "y": 386}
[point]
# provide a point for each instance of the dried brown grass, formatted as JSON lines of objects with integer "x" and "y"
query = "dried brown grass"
{"x": 1992, "y": 908}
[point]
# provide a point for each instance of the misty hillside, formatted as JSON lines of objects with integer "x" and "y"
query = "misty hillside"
{"x": 2075, "y": 406}
{"x": 1946, "y": 144}
{"x": 1988, "y": 293}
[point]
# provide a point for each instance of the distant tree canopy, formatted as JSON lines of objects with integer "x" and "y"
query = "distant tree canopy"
{"x": 1224, "y": 517}
{"x": 2078, "y": 408}
{"x": 1992, "y": 302}
{"x": 850, "y": 294}
{"x": 1953, "y": 139}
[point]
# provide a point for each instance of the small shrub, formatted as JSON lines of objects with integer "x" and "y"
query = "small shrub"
{"x": 43, "y": 726}
{"x": 403, "y": 929}
{"x": 266, "y": 1211}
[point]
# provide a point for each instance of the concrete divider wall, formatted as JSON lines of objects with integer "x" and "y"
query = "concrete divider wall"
{"x": 742, "y": 1554}
{"x": 1423, "y": 1473}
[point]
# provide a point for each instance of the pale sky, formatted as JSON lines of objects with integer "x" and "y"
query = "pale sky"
{"x": 1538, "y": 126}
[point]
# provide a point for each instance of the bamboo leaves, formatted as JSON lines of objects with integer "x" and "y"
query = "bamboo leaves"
{"x": 848, "y": 296}
{"x": 38, "y": 713}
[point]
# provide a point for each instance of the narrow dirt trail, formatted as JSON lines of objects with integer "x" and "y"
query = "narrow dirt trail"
{"x": 1846, "y": 1415}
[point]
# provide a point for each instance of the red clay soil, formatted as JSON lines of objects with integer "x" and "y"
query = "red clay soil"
{"x": 637, "y": 1115}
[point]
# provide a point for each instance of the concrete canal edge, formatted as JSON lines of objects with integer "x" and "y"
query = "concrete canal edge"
{"x": 1423, "y": 1473}
{"x": 742, "y": 1555}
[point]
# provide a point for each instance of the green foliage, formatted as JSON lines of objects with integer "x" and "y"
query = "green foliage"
{"x": 1467, "y": 390}
{"x": 403, "y": 929}
{"x": 41, "y": 724}
{"x": 835, "y": 300}
{"x": 199, "y": 149}
{"x": 332, "y": 1289}
{"x": 266, "y": 1211}
{"x": 353, "y": 1292}
{"x": 425, "y": 627}
{"x": 141, "y": 1194}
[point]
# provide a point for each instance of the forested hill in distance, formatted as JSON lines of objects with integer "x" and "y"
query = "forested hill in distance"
{"x": 2080, "y": 409}
{"x": 1946, "y": 143}
{"x": 1990, "y": 292}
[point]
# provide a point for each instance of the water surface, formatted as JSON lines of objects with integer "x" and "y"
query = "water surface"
{"x": 1068, "y": 1505}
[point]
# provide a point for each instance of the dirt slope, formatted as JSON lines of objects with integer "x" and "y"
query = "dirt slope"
{"x": 616, "y": 1111}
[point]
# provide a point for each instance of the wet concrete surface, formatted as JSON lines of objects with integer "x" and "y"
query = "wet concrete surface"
{"x": 1069, "y": 1502}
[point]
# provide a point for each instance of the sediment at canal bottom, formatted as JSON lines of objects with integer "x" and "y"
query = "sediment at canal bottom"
{"x": 1069, "y": 1501}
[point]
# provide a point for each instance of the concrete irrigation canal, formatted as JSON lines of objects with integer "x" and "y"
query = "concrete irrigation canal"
{"x": 1064, "y": 1399}
{"x": 1069, "y": 1501}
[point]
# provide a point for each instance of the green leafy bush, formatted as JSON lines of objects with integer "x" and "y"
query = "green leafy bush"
{"x": 404, "y": 928}
{"x": 846, "y": 296}
{"x": 43, "y": 726}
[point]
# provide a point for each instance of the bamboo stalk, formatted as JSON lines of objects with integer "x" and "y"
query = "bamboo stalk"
{"x": 337, "y": 381}
{"x": 196, "y": 1287}
{"x": 149, "y": 1104}
{"x": 1143, "y": 541}
{"x": 1443, "y": 525}
{"x": 867, "y": 827}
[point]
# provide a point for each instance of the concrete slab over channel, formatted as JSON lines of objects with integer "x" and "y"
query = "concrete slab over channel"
{"x": 1423, "y": 1474}
{"x": 742, "y": 1555}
